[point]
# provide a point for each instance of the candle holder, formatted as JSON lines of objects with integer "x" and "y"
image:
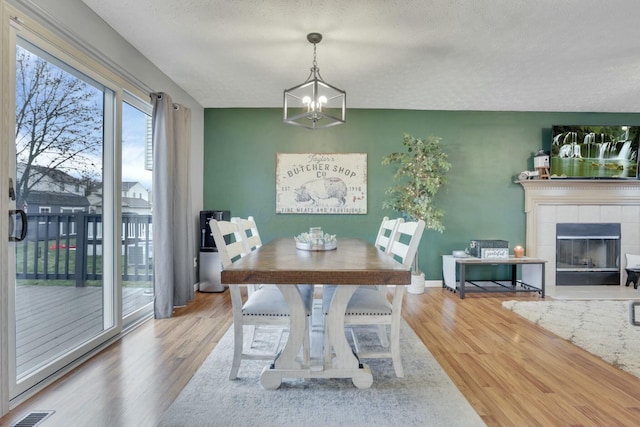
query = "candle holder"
{"x": 518, "y": 251}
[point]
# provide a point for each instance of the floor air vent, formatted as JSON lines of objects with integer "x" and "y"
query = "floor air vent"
{"x": 33, "y": 419}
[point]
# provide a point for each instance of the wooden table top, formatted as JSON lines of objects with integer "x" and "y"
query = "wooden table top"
{"x": 354, "y": 262}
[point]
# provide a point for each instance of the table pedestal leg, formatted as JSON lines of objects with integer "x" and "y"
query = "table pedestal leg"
{"x": 345, "y": 359}
{"x": 344, "y": 365}
{"x": 287, "y": 359}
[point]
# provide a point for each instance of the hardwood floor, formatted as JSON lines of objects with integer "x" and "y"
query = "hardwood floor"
{"x": 512, "y": 372}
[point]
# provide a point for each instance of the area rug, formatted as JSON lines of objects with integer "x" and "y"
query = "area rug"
{"x": 600, "y": 327}
{"x": 424, "y": 397}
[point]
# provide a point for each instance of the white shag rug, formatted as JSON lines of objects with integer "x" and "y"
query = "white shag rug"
{"x": 601, "y": 327}
{"x": 424, "y": 397}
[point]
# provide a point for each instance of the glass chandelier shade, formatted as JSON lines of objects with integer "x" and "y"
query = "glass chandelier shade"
{"x": 315, "y": 104}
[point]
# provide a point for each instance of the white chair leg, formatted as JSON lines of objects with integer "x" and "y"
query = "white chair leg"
{"x": 252, "y": 334}
{"x": 306, "y": 344}
{"x": 397, "y": 362}
{"x": 395, "y": 350}
{"x": 327, "y": 346}
{"x": 382, "y": 336}
{"x": 237, "y": 350}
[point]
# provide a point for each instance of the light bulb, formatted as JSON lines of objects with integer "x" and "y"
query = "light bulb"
{"x": 307, "y": 101}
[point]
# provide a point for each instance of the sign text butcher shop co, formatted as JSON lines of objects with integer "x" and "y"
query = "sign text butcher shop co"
{"x": 321, "y": 183}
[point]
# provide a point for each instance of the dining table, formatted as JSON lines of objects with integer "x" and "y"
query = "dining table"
{"x": 353, "y": 262}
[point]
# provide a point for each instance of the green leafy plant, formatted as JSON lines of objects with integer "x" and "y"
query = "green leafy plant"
{"x": 420, "y": 172}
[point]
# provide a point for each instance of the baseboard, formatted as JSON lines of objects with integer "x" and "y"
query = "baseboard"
{"x": 433, "y": 283}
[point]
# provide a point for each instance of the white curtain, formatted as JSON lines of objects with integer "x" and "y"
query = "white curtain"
{"x": 173, "y": 223}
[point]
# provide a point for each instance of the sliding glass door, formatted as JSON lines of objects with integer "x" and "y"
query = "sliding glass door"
{"x": 76, "y": 139}
{"x": 137, "y": 248}
{"x": 63, "y": 256}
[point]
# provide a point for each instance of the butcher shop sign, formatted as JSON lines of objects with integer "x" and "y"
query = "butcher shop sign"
{"x": 321, "y": 183}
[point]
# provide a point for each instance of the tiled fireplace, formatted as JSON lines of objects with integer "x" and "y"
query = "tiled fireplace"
{"x": 548, "y": 203}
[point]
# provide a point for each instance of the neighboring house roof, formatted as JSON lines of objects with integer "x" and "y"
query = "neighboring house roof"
{"x": 44, "y": 198}
{"x": 134, "y": 202}
{"x": 127, "y": 185}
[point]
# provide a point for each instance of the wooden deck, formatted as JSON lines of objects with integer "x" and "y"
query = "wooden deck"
{"x": 51, "y": 319}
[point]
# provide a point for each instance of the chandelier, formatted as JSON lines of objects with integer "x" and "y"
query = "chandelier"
{"x": 315, "y": 104}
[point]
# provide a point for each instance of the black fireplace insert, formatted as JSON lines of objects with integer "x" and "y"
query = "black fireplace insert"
{"x": 587, "y": 254}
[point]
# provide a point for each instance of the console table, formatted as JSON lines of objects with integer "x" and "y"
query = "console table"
{"x": 454, "y": 275}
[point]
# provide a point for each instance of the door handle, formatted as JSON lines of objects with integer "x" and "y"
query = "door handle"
{"x": 23, "y": 220}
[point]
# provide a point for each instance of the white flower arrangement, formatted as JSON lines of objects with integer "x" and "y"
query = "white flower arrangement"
{"x": 308, "y": 238}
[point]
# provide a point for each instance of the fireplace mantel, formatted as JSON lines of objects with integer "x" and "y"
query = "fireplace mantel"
{"x": 579, "y": 191}
{"x": 549, "y": 201}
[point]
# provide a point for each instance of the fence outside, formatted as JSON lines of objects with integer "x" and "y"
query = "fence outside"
{"x": 68, "y": 246}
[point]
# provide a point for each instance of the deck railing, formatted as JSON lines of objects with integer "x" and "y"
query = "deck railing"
{"x": 68, "y": 246}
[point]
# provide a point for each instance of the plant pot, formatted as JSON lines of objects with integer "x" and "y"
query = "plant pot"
{"x": 417, "y": 284}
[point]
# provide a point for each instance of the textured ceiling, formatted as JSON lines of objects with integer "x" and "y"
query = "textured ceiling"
{"x": 505, "y": 55}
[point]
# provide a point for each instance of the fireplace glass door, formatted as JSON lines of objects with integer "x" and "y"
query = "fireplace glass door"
{"x": 588, "y": 254}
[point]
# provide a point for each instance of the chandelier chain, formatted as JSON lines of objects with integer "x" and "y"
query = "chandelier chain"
{"x": 315, "y": 63}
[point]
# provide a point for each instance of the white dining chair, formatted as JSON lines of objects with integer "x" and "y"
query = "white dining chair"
{"x": 369, "y": 306}
{"x": 264, "y": 306}
{"x": 249, "y": 235}
{"x": 386, "y": 233}
{"x": 251, "y": 238}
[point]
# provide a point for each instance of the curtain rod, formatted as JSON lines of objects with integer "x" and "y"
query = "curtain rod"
{"x": 176, "y": 106}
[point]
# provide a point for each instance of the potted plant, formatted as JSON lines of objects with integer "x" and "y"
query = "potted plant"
{"x": 420, "y": 172}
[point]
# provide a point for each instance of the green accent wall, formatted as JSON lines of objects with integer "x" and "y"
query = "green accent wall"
{"x": 487, "y": 151}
